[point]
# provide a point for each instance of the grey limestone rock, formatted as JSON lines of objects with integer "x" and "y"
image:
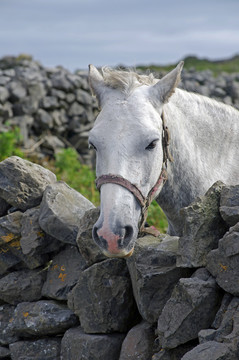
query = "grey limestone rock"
{"x": 7, "y": 260}
{"x": 229, "y": 244}
{"x": 223, "y": 263}
{"x": 22, "y": 285}
{"x": 28, "y": 105}
{"x": 4, "y": 353}
{"x": 203, "y": 227}
{"x": 154, "y": 273}
{"x": 212, "y": 350}
{"x": 87, "y": 247}
{"x": 41, "y": 318}
{"x": 49, "y": 103}
{"x": 41, "y": 349}
{"x": 176, "y": 353}
{"x": 22, "y": 182}
{"x": 7, "y": 336}
{"x": 76, "y": 109}
{"x": 61, "y": 209}
{"x": 192, "y": 307}
{"x": 36, "y": 90}
{"x": 78, "y": 345}
{"x": 52, "y": 144}
{"x": 138, "y": 343}
{"x": 229, "y": 204}
{"x": 59, "y": 81}
{"x": 33, "y": 240}
{"x": 63, "y": 273}
{"x": 4, "y": 206}
{"x": 10, "y": 227}
{"x": 83, "y": 97}
{"x": 44, "y": 120}
{"x": 225, "y": 328}
{"x": 6, "y": 111}
{"x": 10, "y": 234}
{"x": 4, "y": 94}
{"x": 16, "y": 90}
{"x": 103, "y": 298}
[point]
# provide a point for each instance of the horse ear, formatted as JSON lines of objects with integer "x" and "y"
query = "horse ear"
{"x": 166, "y": 86}
{"x": 96, "y": 82}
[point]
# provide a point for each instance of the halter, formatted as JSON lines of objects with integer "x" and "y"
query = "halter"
{"x": 144, "y": 201}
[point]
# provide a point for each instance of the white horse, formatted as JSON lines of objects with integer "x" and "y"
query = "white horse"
{"x": 130, "y": 136}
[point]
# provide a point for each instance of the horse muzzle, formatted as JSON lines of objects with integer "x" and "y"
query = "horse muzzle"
{"x": 115, "y": 241}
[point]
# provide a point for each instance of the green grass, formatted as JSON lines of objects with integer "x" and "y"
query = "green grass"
{"x": 229, "y": 66}
{"x": 9, "y": 144}
{"x": 68, "y": 168}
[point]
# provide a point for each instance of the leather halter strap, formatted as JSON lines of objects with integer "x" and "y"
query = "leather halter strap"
{"x": 120, "y": 180}
{"x": 143, "y": 201}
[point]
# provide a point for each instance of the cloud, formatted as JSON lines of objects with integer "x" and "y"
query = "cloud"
{"x": 75, "y": 32}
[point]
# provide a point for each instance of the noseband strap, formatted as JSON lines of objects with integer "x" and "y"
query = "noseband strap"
{"x": 144, "y": 201}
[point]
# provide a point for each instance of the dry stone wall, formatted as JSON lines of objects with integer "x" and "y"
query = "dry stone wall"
{"x": 54, "y": 108}
{"x": 61, "y": 299}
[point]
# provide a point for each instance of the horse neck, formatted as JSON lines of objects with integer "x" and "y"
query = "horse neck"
{"x": 196, "y": 125}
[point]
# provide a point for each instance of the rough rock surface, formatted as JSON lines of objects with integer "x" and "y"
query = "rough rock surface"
{"x": 229, "y": 204}
{"x": 23, "y": 182}
{"x": 87, "y": 247}
{"x": 62, "y": 221}
{"x": 225, "y": 328}
{"x": 42, "y": 349}
{"x": 210, "y": 350}
{"x": 203, "y": 227}
{"x": 78, "y": 345}
{"x": 154, "y": 274}
{"x": 22, "y": 285}
{"x": 114, "y": 309}
{"x": 192, "y": 307}
{"x": 223, "y": 263}
{"x": 7, "y": 336}
{"x": 4, "y": 353}
{"x": 4, "y": 206}
{"x": 11, "y": 251}
{"x": 63, "y": 273}
{"x": 139, "y": 343}
{"x": 42, "y": 318}
{"x": 34, "y": 240}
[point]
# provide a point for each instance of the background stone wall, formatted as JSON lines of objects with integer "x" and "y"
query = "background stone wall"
{"x": 54, "y": 108}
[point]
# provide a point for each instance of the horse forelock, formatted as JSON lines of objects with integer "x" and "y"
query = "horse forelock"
{"x": 126, "y": 80}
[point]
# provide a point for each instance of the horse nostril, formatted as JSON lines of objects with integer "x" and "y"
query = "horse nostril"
{"x": 99, "y": 240}
{"x": 127, "y": 235}
{"x": 94, "y": 233}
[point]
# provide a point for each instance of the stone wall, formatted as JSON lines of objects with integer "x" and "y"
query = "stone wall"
{"x": 60, "y": 298}
{"x": 54, "y": 108}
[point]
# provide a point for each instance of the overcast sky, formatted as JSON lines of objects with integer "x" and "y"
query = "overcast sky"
{"x": 74, "y": 33}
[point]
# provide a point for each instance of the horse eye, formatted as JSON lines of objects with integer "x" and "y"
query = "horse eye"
{"x": 92, "y": 146}
{"x": 152, "y": 145}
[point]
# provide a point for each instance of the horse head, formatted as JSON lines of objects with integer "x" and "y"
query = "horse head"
{"x": 128, "y": 137}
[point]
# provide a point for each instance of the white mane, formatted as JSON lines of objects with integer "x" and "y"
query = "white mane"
{"x": 126, "y": 81}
